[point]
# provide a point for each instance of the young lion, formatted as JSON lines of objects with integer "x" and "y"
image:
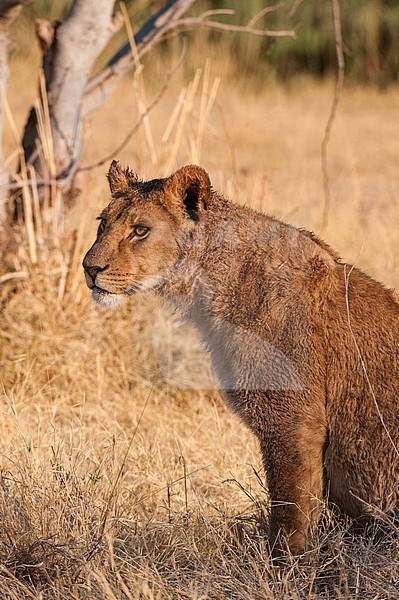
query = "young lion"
{"x": 305, "y": 347}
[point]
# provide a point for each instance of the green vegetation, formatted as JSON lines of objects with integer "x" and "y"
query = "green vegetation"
{"x": 370, "y": 32}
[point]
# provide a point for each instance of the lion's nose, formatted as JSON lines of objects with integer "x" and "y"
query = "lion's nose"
{"x": 93, "y": 271}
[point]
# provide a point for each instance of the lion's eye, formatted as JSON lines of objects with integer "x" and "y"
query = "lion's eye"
{"x": 140, "y": 231}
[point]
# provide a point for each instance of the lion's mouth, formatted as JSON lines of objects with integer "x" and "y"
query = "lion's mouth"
{"x": 100, "y": 291}
{"x": 105, "y": 297}
{"x": 129, "y": 292}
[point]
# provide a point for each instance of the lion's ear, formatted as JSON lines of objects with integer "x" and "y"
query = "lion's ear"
{"x": 119, "y": 178}
{"x": 191, "y": 187}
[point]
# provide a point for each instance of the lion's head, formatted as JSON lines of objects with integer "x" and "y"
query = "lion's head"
{"x": 140, "y": 231}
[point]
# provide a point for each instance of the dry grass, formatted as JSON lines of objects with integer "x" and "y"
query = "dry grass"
{"x": 121, "y": 475}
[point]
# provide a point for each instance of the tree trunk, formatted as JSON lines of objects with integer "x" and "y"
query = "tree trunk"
{"x": 52, "y": 140}
{"x": 9, "y": 10}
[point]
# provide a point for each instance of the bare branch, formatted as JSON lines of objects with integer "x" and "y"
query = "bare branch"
{"x": 219, "y": 11}
{"x": 337, "y": 96}
{"x": 168, "y": 19}
{"x": 265, "y": 11}
{"x": 202, "y": 21}
{"x": 101, "y": 85}
{"x": 294, "y": 8}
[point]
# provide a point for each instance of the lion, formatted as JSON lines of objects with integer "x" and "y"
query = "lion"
{"x": 304, "y": 346}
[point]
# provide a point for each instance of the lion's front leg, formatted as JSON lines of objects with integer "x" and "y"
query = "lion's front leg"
{"x": 293, "y": 460}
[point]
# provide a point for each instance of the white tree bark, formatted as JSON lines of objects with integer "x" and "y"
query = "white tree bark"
{"x": 76, "y": 44}
{"x": 69, "y": 54}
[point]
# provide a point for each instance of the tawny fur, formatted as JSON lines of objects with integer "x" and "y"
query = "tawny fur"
{"x": 306, "y": 348}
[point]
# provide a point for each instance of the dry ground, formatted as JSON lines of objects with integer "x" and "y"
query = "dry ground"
{"x": 122, "y": 473}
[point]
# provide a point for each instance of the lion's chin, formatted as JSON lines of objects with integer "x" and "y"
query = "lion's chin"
{"x": 107, "y": 299}
{"x": 103, "y": 297}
